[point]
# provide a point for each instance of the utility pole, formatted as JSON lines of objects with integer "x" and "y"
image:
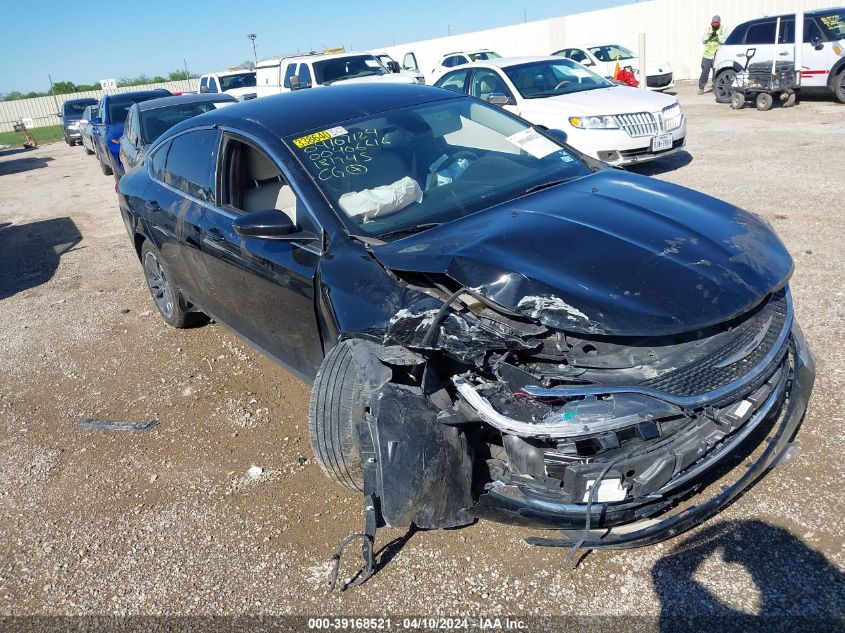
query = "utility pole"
{"x": 524, "y": 16}
{"x": 449, "y": 26}
{"x": 187, "y": 74}
{"x": 252, "y": 37}
{"x": 53, "y": 92}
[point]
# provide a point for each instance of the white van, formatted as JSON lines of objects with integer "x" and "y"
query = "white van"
{"x": 283, "y": 74}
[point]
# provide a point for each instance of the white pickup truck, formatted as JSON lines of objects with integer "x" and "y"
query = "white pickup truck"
{"x": 283, "y": 74}
{"x": 238, "y": 82}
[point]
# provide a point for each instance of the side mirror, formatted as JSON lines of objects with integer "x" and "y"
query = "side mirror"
{"x": 817, "y": 42}
{"x": 293, "y": 83}
{"x": 587, "y": 62}
{"x": 95, "y": 120}
{"x": 393, "y": 67}
{"x": 59, "y": 114}
{"x": 558, "y": 134}
{"x": 270, "y": 225}
{"x": 203, "y": 89}
{"x": 497, "y": 99}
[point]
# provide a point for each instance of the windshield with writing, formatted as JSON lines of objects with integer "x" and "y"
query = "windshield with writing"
{"x": 428, "y": 164}
{"x": 537, "y": 80}
{"x": 332, "y": 70}
{"x": 612, "y": 52}
{"x": 834, "y": 24}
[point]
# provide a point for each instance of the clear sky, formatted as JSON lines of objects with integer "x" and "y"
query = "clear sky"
{"x": 85, "y": 41}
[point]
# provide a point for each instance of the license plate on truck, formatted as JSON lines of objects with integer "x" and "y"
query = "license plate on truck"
{"x": 661, "y": 142}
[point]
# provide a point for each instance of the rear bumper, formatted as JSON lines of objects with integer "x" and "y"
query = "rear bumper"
{"x": 632, "y": 523}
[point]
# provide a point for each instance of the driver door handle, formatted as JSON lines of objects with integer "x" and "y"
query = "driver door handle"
{"x": 215, "y": 235}
{"x": 784, "y": 53}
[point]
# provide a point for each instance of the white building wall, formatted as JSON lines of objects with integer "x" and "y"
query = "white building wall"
{"x": 673, "y": 31}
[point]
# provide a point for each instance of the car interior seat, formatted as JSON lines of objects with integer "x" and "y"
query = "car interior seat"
{"x": 264, "y": 187}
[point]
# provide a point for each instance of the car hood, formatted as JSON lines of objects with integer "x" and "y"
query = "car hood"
{"x": 610, "y": 253}
{"x": 612, "y": 100}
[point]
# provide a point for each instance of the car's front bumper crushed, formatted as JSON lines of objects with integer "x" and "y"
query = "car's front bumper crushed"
{"x": 632, "y": 523}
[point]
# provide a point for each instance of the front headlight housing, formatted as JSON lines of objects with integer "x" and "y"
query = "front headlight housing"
{"x": 594, "y": 122}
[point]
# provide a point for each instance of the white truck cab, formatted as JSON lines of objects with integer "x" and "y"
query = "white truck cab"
{"x": 238, "y": 82}
{"x": 283, "y": 74}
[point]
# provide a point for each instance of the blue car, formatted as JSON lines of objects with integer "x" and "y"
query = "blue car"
{"x": 107, "y": 128}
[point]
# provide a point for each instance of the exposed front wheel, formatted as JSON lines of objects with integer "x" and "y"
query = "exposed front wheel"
{"x": 723, "y": 86}
{"x": 333, "y": 416}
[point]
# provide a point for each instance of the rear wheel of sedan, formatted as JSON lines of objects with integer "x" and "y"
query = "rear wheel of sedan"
{"x": 333, "y": 417}
{"x": 723, "y": 86}
{"x": 106, "y": 169}
{"x": 87, "y": 151}
{"x": 166, "y": 296}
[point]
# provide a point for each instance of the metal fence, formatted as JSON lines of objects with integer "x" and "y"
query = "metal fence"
{"x": 42, "y": 110}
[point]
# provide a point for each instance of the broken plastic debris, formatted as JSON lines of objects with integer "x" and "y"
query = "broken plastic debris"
{"x": 105, "y": 425}
{"x": 254, "y": 472}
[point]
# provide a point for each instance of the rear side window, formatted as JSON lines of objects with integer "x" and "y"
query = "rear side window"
{"x": 577, "y": 55}
{"x": 190, "y": 164}
{"x": 157, "y": 162}
{"x": 761, "y": 33}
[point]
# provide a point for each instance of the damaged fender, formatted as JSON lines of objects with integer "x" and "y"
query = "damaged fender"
{"x": 417, "y": 470}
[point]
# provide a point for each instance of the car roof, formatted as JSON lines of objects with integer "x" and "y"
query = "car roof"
{"x": 275, "y": 61}
{"x": 82, "y": 100}
{"x": 469, "y": 52}
{"x": 164, "y": 102}
{"x": 507, "y": 62}
{"x": 230, "y": 71}
{"x": 302, "y": 110}
{"x": 790, "y": 15}
{"x": 121, "y": 96}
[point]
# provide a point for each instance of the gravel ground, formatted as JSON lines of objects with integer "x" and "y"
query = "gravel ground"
{"x": 177, "y": 521}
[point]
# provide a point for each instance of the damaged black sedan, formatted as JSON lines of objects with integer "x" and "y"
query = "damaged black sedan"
{"x": 495, "y": 326}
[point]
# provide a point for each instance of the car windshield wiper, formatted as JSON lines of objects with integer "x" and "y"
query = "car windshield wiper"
{"x": 546, "y": 185}
{"x": 410, "y": 230}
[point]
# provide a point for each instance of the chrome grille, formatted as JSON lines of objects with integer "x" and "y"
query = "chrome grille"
{"x": 639, "y": 124}
{"x": 648, "y": 124}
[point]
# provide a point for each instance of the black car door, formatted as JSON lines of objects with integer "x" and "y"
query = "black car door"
{"x": 263, "y": 289}
{"x": 183, "y": 170}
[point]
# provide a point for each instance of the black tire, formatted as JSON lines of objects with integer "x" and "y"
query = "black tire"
{"x": 166, "y": 296}
{"x": 106, "y": 169}
{"x": 790, "y": 100}
{"x": 723, "y": 85}
{"x": 764, "y": 101}
{"x": 738, "y": 101}
{"x": 839, "y": 86}
{"x": 87, "y": 151}
{"x": 333, "y": 415}
{"x": 68, "y": 141}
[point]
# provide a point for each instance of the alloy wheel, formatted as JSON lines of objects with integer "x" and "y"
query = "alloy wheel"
{"x": 159, "y": 285}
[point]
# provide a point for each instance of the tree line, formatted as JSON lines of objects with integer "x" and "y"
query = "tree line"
{"x": 67, "y": 87}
